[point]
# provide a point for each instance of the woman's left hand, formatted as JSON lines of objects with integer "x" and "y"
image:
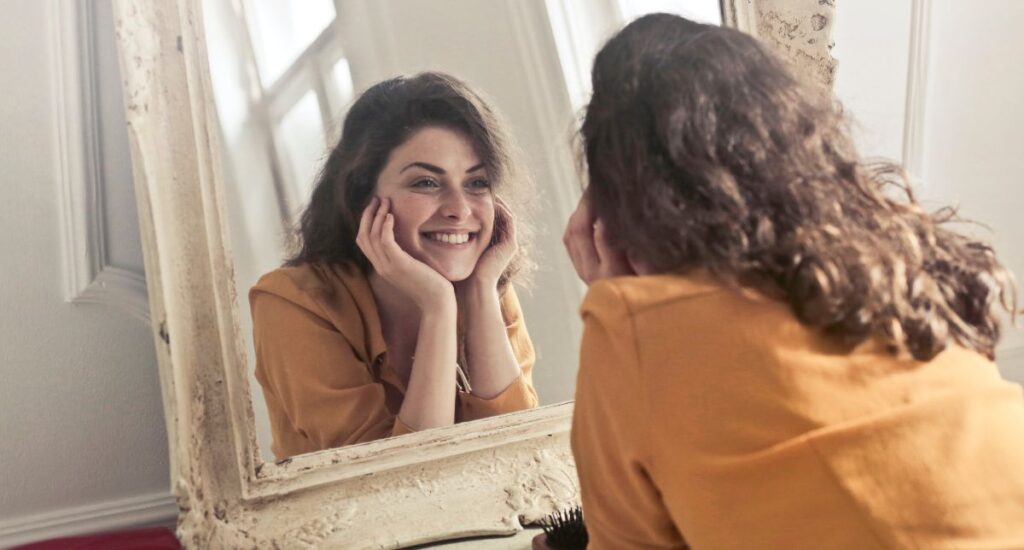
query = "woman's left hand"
{"x": 503, "y": 247}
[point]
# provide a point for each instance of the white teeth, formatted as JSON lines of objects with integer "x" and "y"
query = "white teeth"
{"x": 450, "y": 238}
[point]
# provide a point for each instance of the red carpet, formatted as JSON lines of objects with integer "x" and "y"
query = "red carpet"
{"x": 154, "y": 538}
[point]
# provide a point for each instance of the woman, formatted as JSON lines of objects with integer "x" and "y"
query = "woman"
{"x": 804, "y": 361}
{"x": 400, "y": 291}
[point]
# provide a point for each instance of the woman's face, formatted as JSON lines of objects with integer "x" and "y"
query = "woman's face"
{"x": 441, "y": 200}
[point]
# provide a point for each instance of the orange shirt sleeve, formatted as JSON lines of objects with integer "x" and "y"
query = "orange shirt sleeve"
{"x": 520, "y": 394}
{"x": 611, "y": 430}
{"x": 319, "y": 394}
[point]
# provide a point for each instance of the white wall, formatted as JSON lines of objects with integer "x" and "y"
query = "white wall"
{"x": 872, "y": 45}
{"x": 969, "y": 116}
{"x": 82, "y": 438}
{"x": 974, "y": 128}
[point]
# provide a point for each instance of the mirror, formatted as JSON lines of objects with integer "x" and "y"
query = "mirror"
{"x": 284, "y": 75}
{"x": 489, "y": 476}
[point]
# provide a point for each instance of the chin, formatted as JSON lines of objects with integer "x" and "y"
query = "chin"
{"x": 455, "y": 267}
{"x": 454, "y": 275}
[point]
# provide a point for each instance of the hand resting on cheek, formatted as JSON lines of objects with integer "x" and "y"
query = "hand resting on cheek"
{"x": 593, "y": 256}
{"x": 421, "y": 283}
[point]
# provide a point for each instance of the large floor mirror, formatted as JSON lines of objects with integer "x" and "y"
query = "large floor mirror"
{"x": 233, "y": 108}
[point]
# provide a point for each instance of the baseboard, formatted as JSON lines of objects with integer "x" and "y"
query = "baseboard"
{"x": 157, "y": 509}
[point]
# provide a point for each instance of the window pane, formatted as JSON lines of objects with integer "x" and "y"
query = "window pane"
{"x": 702, "y": 11}
{"x": 300, "y": 137}
{"x": 282, "y": 30}
{"x": 342, "y": 75}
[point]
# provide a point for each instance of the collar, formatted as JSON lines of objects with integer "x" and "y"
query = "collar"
{"x": 366, "y": 326}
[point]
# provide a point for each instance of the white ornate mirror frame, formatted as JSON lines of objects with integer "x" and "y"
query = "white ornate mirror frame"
{"x": 485, "y": 477}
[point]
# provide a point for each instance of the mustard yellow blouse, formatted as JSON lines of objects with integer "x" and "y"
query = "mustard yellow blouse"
{"x": 322, "y": 361}
{"x": 713, "y": 418}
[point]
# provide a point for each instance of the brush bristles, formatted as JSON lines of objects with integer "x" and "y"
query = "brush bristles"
{"x": 565, "y": 529}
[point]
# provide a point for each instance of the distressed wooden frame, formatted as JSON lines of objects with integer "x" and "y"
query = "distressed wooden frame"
{"x": 483, "y": 477}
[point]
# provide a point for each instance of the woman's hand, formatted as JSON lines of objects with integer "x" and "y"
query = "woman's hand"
{"x": 591, "y": 254}
{"x": 503, "y": 247}
{"x": 420, "y": 282}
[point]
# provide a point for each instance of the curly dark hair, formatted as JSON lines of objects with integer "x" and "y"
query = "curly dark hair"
{"x": 706, "y": 150}
{"x": 381, "y": 119}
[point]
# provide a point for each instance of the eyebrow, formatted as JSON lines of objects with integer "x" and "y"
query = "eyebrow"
{"x": 437, "y": 169}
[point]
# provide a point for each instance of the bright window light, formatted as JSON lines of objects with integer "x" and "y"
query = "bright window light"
{"x": 303, "y": 143}
{"x": 702, "y": 11}
{"x": 282, "y": 30}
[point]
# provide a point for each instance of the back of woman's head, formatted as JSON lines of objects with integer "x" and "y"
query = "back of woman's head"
{"x": 705, "y": 150}
{"x": 384, "y": 117}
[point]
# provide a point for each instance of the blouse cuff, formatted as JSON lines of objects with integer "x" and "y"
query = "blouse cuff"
{"x": 518, "y": 396}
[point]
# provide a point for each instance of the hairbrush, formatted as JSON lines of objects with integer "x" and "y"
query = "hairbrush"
{"x": 565, "y": 529}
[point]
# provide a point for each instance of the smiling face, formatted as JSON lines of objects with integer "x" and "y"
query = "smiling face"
{"x": 441, "y": 200}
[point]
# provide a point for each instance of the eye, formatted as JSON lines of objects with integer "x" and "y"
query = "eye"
{"x": 478, "y": 185}
{"x": 425, "y": 183}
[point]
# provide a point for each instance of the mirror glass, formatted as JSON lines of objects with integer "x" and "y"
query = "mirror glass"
{"x": 284, "y": 76}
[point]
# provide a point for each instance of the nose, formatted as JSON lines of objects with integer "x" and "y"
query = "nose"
{"x": 455, "y": 206}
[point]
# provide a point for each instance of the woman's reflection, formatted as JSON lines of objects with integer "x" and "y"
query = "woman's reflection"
{"x": 397, "y": 313}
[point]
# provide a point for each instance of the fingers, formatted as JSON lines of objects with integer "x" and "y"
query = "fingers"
{"x": 366, "y": 220}
{"x": 393, "y": 256}
{"x": 509, "y": 227}
{"x": 376, "y": 236}
{"x": 378, "y": 221}
{"x": 389, "y": 247}
{"x": 363, "y": 239}
{"x": 593, "y": 254}
{"x": 579, "y": 242}
{"x": 504, "y": 226}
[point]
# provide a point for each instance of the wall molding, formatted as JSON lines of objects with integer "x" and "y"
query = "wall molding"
{"x": 88, "y": 277}
{"x": 155, "y": 509}
{"x": 917, "y": 88}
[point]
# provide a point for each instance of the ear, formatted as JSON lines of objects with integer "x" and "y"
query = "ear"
{"x": 638, "y": 266}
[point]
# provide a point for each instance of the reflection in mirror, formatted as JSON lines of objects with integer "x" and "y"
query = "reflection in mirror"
{"x": 342, "y": 353}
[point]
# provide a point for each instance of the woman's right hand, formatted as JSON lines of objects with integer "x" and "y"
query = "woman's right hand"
{"x": 420, "y": 282}
{"x": 592, "y": 255}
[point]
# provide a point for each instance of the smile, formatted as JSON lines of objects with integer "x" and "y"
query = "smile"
{"x": 451, "y": 239}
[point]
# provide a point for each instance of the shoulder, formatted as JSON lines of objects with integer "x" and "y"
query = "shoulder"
{"x": 632, "y": 296}
{"x": 312, "y": 286}
{"x": 667, "y": 317}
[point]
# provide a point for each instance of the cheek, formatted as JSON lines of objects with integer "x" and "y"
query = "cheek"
{"x": 410, "y": 213}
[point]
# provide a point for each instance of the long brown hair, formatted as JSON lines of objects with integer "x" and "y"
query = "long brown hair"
{"x": 705, "y": 150}
{"x": 382, "y": 118}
